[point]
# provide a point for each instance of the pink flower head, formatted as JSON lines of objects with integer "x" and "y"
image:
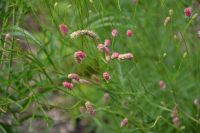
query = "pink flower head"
{"x": 107, "y": 42}
{"x": 162, "y": 84}
{"x": 79, "y": 56}
{"x": 106, "y": 50}
{"x": 63, "y": 29}
{"x": 127, "y": 56}
{"x": 176, "y": 121}
{"x": 89, "y": 108}
{"x": 188, "y": 11}
{"x": 67, "y": 85}
{"x": 115, "y": 55}
{"x": 100, "y": 47}
{"x": 124, "y": 122}
{"x": 73, "y": 76}
{"x": 129, "y": 33}
{"x": 106, "y": 76}
{"x": 114, "y": 32}
{"x": 106, "y": 97}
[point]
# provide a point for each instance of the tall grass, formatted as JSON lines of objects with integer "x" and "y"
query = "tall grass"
{"x": 37, "y": 59}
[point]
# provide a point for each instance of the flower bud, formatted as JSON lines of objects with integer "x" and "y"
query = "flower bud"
{"x": 106, "y": 76}
{"x": 63, "y": 29}
{"x": 126, "y": 56}
{"x": 68, "y": 85}
{"x": 124, "y": 122}
{"x": 89, "y": 108}
{"x": 79, "y": 56}
{"x": 73, "y": 76}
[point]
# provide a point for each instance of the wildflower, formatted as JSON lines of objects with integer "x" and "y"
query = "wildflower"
{"x": 188, "y": 11}
{"x": 106, "y": 76}
{"x": 107, "y": 42}
{"x": 115, "y": 55}
{"x": 162, "y": 84}
{"x": 196, "y": 102}
{"x": 63, "y": 29}
{"x": 176, "y": 121}
{"x": 79, "y": 33}
{"x": 106, "y": 97}
{"x": 7, "y": 37}
{"x": 95, "y": 78}
{"x": 82, "y": 109}
{"x": 89, "y": 108}
{"x": 67, "y": 85}
{"x": 73, "y": 76}
{"x": 84, "y": 81}
{"x": 126, "y": 56}
{"x": 124, "y": 122}
{"x": 167, "y": 19}
{"x": 129, "y": 33}
{"x": 79, "y": 56}
{"x": 103, "y": 48}
{"x": 100, "y": 47}
{"x": 107, "y": 58}
{"x": 114, "y": 32}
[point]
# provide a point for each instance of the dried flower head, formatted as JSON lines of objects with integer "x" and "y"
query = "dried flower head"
{"x": 167, "y": 20}
{"x": 188, "y": 11}
{"x": 90, "y": 109}
{"x": 84, "y": 81}
{"x": 162, "y": 84}
{"x": 107, "y": 58}
{"x": 79, "y": 33}
{"x": 129, "y": 33}
{"x": 106, "y": 97}
{"x": 73, "y": 76}
{"x": 126, "y": 56}
{"x": 115, "y": 55}
{"x": 67, "y": 85}
{"x": 63, "y": 29}
{"x": 114, "y": 32}
{"x": 124, "y": 122}
{"x": 107, "y": 42}
{"x": 196, "y": 102}
{"x": 79, "y": 56}
{"x": 106, "y": 76}
{"x": 7, "y": 37}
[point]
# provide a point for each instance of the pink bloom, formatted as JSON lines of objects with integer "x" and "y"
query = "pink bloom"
{"x": 129, "y": 33}
{"x": 63, "y": 29}
{"x": 107, "y": 42}
{"x": 124, "y": 122}
{"x": 114, "y": 32}
{"x": 175, "y": 121}
{"x": 79, "y": 56}
{"x": 106, "y": 97}
{"x": 188, "y": 11}
{"x": 89, "y": 108}
{"x": 67, "y": 85}
{"x": 106, "y": 76}
{"x": 162, "y": 84}
{"x": 100, "y": 47}
{"x": 115, "y": 55}
{"x": 126, "y": 56}
{"x": 106, "y": 50}
{"x": 73, "y": 76}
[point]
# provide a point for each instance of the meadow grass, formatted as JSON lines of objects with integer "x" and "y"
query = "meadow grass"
{"x": 35, "y": 59}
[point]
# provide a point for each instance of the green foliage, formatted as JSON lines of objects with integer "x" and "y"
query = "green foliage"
{"x": 38, "y": 58}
